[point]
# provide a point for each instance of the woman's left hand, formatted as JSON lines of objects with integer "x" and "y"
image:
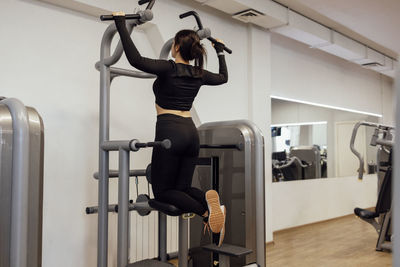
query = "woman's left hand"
{"x": 118, "y": 14}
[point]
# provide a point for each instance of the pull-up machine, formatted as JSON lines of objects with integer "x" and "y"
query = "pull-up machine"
{"x": 143, "y": 204}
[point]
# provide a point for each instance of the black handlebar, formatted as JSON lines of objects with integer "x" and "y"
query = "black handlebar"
{"x": 229, "y": 51}
{"x": 200, "y": 25}
{"x": 127, "y": 16}
{"x": 195, "y": 15}
{"x": 149, "y": 6}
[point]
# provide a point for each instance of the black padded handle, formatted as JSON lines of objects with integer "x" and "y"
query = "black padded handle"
{"x": 200, "y": 25}
{"x": 150, "y": 5}
{"x": 229, "y": 51}
{"x": 195, "y": 15}
{"x": 127, "y": 16}
{"x": 135, "y": 145}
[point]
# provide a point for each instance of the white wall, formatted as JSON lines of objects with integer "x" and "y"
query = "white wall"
{"x": 307, "y": 201}
{"x": 312, "y": 75}
{"x": 301, "y": 73}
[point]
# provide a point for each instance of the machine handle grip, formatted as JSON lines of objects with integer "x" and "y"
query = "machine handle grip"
{"x": 229, "y": 51}
{"x": 149, "y": 6}
{"x": 135, "y": 145}
{"x": 127, "y": 16}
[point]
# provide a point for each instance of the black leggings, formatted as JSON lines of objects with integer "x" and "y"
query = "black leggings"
{"x": 172, "y": 169}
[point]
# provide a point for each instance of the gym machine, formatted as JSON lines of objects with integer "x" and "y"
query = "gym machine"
{"x": 380, "y": 219}
{"x": 143, "y": 204}
{"x": 21, "y": 184}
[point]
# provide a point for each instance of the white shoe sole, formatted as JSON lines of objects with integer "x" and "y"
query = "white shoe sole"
{"x": 216, "y": 218}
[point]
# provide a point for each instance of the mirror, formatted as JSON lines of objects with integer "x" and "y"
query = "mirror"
{"x": 310, "y": 142}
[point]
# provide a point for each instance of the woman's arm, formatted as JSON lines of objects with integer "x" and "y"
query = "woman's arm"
{"x": 153, "y": 66}
{"x": 210, "y": 78}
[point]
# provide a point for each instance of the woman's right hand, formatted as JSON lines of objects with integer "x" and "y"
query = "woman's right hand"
{"x": 219, "y": 46}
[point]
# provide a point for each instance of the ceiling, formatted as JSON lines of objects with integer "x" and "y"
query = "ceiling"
{"x": 373, "y": 22}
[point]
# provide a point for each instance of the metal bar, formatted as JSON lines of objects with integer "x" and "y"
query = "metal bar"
{"x": 115, "y": 145}
{"x": 291, "y": 160}
{"x": 20, "y": 183}
{"x": 162, "y": 236}
{"x": 132, "y": 73}
{"x": 224, "y": 260}
{"x": 166, "y": 49}
{"x": 115, "y": 173}
{"x": 353, "y": 138}
{"x": 183, "y": 246}
{"x": 384, "y": 142}
{"x": 104, "y": 129}
{"x": 355, "y": 152}
{"x": 108, "y": 60}
{"x": 383, "y": 230}
{"x": 259, "y": 194}
{"x": 93, "y": 210}
{"x": 396, "y": 180}
{"x": 123, "y": 212}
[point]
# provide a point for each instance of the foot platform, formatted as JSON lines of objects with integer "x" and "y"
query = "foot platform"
{"x": 226, "y": 251}
{"x": 150, "y": 263}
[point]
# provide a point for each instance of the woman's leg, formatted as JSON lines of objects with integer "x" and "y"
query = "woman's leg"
{"x": 182, "y": 201}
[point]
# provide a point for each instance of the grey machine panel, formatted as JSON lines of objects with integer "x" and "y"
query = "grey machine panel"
{"x": 241, "y": 187}
{"x": 35, "y": 187}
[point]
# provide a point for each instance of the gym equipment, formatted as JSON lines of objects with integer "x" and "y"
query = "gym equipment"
{"x": 237, "y": 173}
{"x": 144, "y": 205}
{"x": 311, "y": 155}
{"x": 200, "y": 25}
{"x": 287, "y": 169}
{"x": 21, "y": 184}
{"x": 380, "y": 219}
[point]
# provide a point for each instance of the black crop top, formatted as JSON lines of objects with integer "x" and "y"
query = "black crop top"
{"x": 177, "y": 84}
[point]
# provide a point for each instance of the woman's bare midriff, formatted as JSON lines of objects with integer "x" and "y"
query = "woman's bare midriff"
{"x": 181, "y": 113}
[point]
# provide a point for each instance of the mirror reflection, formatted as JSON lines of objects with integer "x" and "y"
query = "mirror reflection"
{"x": 299, "y": 151}
{"x": 310, "y": 142}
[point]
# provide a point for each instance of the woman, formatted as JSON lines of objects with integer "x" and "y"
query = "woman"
{"x": 175, "y": 89}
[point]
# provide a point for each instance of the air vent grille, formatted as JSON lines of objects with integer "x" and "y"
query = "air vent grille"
{"x": 248, "y": 15}
{"x": 372, "y": 64}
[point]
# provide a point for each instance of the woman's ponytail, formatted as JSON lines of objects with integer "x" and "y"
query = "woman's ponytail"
{"x": 190, "y": 47}
{"x": 198, "y": 53}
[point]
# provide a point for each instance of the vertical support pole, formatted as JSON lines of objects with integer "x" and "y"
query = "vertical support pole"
{"x": 224, "y": 261}
{"x": 104, "y": 129}
{"x": 396, "y": 179}
{"x": 162, "y": 236}
{"x": 215, "y": 186}
{"x": 20, "y": 183}
{"x": 183, "y": 246}
{"x": 123, "y": 209}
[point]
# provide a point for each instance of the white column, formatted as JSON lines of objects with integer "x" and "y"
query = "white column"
{"x": 259, "y": 78}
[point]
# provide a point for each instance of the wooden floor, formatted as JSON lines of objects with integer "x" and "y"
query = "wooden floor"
{"x": 346, "y": 241}
{"x": 343, "y": 242}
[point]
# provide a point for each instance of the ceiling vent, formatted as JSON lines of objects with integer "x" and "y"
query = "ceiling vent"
{"x": 372, "y": 65}
{"x": 248, "y": 15}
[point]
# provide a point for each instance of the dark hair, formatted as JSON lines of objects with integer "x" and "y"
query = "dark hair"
{"x": 190, "y": 47}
